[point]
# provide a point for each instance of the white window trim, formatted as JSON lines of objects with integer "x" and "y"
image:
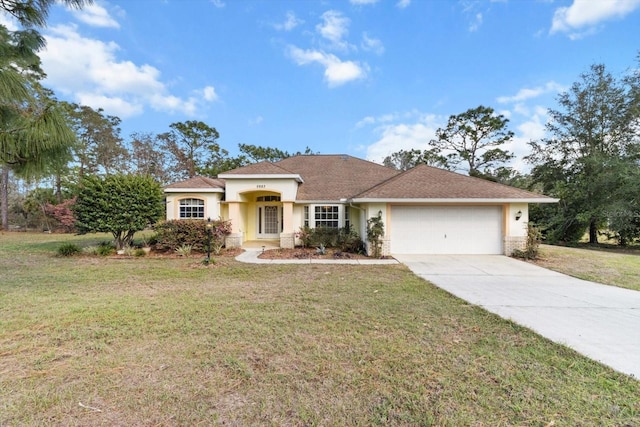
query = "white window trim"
{"x": 311, "y": 209}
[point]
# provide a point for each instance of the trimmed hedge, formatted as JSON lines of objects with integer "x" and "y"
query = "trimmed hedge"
{"x": 171, "y": 235}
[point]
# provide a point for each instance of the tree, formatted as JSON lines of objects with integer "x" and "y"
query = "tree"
{"x": 147, "y": 157}
{"x": 471, "y": 141}
{"x": 406, "y": 159}
{"x": 34, "y": 13}
{"x": 98, "y": 148}
{"x": 34, "y": 136}
{"x": 118, "y": 204}
{"x": 192, "y": 147}
{"x": 594, "y": 139}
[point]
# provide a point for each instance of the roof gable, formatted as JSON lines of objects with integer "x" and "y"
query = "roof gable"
{"x": 427, "y": 182}
{"x": 261, "y": 168}
{"x": 197, "y": 182}
{"x": 334, "y": 177}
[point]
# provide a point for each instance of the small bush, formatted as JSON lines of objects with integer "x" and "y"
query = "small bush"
{"x": 90, "y": 250}
{"x": 534, "y": 238}
{"x": 68, "y": 249}
{"x": 106, "y": 249}
{"x": 184, "y": 250}
{"x": 139, "y": 252}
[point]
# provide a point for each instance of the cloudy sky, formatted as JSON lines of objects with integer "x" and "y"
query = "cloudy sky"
{"x": 361, "y": 77}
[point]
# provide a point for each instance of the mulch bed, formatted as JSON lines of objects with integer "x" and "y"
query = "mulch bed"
{"x": 307, "y": 253}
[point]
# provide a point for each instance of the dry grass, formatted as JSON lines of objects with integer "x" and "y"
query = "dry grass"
{"x": 603, "y": 265}
{"x": 147, "y": 342}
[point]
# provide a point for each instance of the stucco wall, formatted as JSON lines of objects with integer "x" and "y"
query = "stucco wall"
{"x": 211, "y": 204}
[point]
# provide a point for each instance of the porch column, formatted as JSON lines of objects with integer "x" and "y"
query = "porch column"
{"x": 235, "y": 239}
{"x": 287, "y": 237}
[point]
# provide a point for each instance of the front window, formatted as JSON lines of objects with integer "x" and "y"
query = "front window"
{"x": 327, "y": 216}
{"x": 191, "y": 209}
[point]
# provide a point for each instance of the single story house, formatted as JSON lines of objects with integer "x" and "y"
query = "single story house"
{"x": 425, "y": 210}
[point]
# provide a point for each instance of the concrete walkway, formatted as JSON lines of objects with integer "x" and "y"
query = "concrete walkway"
{"x": 601, "y": 322}
{"x": 250, "y": 255}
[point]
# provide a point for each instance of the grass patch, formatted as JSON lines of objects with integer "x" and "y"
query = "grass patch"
{"x": 602, "y": 265}
{"x": 166, "y": 341}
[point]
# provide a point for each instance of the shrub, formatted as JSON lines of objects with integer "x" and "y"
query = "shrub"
{"x": 184, "y": 250}
{"x": 346, "y": 239}
{"x": 171, "y": 235}
{"x": 90, "y": 250}
{"x": 139, "y": 252}
{"x": 68, "y": 249}
{"x": 534, "y": 238}
{"x": 105, "y": 249}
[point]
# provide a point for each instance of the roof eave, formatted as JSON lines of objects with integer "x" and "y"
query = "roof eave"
{"x": 261, "y": 176}
{"x": 454, "y": 200}
{"x": 194, "y": 190}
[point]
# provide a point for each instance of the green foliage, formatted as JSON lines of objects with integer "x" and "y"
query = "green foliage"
{"x": 375, "y": 231}
{"x": 473, "y": 139}
{"x": 105, "y": 249}
{"x": 191, "y": 147}
{"x": 406, "y": 159}
{"x": 346, "y": 239}
{"x": 184, "y": 250}
{"x": 118, "y": 204}
{"x": 171, "y": 235}
{"x": 532, "y": 247}
{"x": 68, "y": 249}
{"x": 590, "y": 160}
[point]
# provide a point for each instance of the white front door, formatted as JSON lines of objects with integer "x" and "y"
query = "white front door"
{"x": 268, "y": 221}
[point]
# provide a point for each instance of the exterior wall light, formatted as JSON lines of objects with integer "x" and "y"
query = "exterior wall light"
{"x": 518, "y": 215}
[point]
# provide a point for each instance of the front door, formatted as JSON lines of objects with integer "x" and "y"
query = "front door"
{"x": 268, "y": 222}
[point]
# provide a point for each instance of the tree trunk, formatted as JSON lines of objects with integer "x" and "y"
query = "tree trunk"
{"x": 4, "y": 197}
{"x": 593, "y": 232}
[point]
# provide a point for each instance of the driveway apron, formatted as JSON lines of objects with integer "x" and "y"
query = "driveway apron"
{"x": 601, "y": 322}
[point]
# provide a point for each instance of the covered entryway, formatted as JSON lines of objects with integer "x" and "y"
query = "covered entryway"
{"x": 446, "y": 230}
{"x": 269, "y": 221}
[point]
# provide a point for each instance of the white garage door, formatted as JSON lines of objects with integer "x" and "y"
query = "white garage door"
{"x": 446, "y": 230}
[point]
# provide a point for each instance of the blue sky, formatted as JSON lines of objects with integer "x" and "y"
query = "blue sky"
{"x": 361, "y": 77}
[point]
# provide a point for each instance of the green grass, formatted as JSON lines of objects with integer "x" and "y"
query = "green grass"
{"x": 168, "y": 341}
{"x": 602, "y": 265}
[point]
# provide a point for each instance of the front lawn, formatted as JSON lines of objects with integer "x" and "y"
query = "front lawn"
{"x": 167, "y": 341}
{"x": 606, "y": 265}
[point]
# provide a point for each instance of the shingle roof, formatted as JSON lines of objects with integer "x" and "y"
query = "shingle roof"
{"x": 334, "y": 177}
{"x": 262, "y": 168}
{"x": 198, "y": 182}
{"x": 426, "y": 182}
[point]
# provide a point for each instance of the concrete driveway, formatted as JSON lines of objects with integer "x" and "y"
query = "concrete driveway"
{"x": 601, "y": 322}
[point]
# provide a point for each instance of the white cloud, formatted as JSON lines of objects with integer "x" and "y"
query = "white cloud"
{"x": 218, "y": 3}
{"x": 588, "y": 13}
{"x": 96, "y": 16}
{"x": 529, "y": 93}
{"x": 209, "y": 94}
{"x": 291, "y": 22}
{"x": 10, "y": 23}
{"x": 371, "y": 44}
{"x": 337, "y": 72}
{"x": 401, "y": 136}
{"x": 361, "y": 2}
{"x": 403, "y": 4}
{"x": 476, "y": 23}
{"x": 89, "y": 72}
{"x": 110, "y": 104}
{"x": 257, "y": 121}
{"x": 334, "y": 28}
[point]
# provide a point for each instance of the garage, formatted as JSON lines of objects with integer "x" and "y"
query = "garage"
{"x": 446, "y": 230}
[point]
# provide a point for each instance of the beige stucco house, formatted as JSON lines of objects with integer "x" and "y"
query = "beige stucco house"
{"x": 425, "y": 210}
